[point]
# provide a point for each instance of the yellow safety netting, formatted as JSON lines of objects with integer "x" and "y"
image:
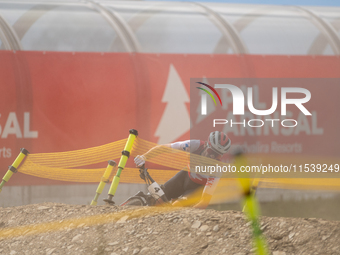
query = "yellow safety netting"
{"x": 68, "y": 166}
{"x": 75, "y": 166}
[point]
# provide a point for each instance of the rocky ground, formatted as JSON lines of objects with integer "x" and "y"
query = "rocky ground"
{"x": 82, "y": 229}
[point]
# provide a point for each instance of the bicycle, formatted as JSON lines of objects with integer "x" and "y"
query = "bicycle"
{"x": 155, "y": 196}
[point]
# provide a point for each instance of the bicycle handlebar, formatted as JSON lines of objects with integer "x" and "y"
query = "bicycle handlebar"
{"x": 144, "y": 174}
{"x": 153, "y": 186}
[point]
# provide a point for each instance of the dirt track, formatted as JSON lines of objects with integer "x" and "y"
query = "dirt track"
{"x": 187, "y": 231}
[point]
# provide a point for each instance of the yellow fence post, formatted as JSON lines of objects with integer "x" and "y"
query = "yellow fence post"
{"x": 105, "y": 179}
{"x": 121, "y": 165}
{"x": 253, "y": 189}
{"x": 14, "y": 167}
{"x": 250, "y": 204}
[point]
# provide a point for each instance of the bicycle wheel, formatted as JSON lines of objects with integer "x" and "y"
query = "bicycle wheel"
{"x": 136, "y": 201}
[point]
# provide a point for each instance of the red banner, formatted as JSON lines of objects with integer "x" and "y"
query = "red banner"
{"x": 55, "y": 101}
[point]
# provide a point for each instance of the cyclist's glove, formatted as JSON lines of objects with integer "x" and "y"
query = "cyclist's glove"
{"x": 140, "y": 160}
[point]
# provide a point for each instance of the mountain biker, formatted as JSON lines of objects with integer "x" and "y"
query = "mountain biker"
{"x": 186, "y": 182}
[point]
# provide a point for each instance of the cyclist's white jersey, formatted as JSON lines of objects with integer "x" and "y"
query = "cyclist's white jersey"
{"x": 196, "y": 147}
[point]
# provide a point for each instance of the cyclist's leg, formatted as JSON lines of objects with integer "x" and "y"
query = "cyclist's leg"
{"x": 191, "y": 197}
{"x": 179, "y": 185}
{"x": 197, "y": 192}
{"x": 193, "y": 191}
{"x": 190, "y": 185}
{"x": 174, "y": 187}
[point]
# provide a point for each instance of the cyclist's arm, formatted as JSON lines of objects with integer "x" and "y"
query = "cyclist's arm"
{"x": 166, "y": 148}
{"x": 155, "y": 151}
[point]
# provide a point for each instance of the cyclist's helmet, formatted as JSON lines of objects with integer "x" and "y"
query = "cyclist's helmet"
{"x": 219, "y": 142}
